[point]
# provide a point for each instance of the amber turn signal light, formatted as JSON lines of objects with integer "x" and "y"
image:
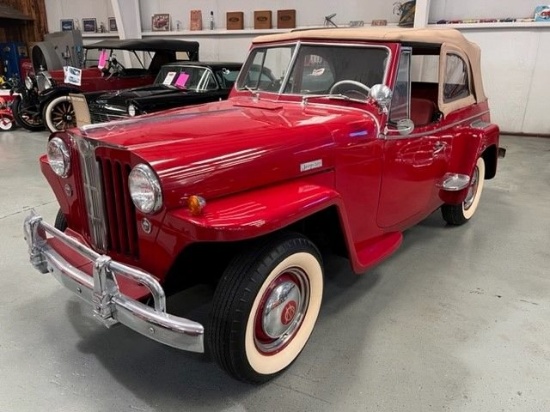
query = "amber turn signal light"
{"x": 196, "y": 204}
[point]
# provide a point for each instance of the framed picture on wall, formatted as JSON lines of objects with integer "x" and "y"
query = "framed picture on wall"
{"x": 160, "y": 22}
{"x": 112, "y": 24}
{"x": 89, "y": 25}
{"x": 67, "y": 25}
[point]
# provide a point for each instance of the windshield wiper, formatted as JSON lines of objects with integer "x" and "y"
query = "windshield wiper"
{"x": 306, "y": 97}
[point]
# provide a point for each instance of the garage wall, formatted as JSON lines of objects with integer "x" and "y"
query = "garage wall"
{"x": 515, "y": 59}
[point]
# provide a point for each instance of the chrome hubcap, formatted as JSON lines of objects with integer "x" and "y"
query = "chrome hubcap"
{"x": 281, "y": 311}
{"x": 472, "y": 189}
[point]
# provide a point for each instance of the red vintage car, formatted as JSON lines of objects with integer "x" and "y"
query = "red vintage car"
{"x": 336, "y": 138}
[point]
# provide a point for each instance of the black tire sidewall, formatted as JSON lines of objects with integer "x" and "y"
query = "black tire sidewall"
{"x": 234, "y": 299}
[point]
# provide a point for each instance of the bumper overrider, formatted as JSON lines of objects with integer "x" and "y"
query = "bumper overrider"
{"x": 101, "y": 290}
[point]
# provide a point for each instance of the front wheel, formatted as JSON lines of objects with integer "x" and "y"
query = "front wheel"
{"x": 24, "y": 118}
{"x": 265, "y": 307}
{"x": 460, "y": 214}
{"x": 59, "y": 114}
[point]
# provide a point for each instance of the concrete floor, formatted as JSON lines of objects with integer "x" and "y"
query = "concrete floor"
{"x": 456, "y": 320}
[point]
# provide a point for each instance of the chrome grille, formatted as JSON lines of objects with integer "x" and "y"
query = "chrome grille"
{"x": 109, "y": 208}
{"x": 119, "y": 208}
{"x": 93, "y": 193}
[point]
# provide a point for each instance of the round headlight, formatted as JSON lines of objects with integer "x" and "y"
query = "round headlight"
{"x": 28, "y": 83}
{"x": 58, "y": 157}
{"x": 132, "y": 110}
{"x": 145, "y": 189}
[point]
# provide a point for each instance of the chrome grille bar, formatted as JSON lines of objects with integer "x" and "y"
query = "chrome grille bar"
{"x": 93, "y": 192}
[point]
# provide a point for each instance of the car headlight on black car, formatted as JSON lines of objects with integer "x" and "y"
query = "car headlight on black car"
{"x": 29, "y": 83}
{"x": 132, "y": 110}
{"x": 59, "y": 157}
{"x": 145, "y": 189}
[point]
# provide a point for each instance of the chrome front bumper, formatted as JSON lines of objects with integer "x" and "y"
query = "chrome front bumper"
{"x": 101, "y": 290}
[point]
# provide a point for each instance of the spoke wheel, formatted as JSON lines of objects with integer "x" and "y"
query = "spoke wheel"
{"x": 59, "y": 114}
{"x": 460, "y": 214}
{"x": 265, "y": 307}
{"x": 23, "y": 118}
{"x": 6, "y": 122}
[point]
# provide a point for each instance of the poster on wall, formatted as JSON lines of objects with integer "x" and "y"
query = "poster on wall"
{"x": 67, "y": 25}
{"x": 112, "y": 24}
{"x": 160, "y": 22}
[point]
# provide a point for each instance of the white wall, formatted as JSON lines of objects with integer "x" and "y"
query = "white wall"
{"x": 482, "y": 9}
{"x": 515, "y": 61}
{"x": 308, "y": 12}
{"x": 77, "y": 10}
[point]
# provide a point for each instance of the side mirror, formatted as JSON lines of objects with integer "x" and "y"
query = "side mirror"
{"x": 381, "y": 94}
{"x": 405, "y": 127}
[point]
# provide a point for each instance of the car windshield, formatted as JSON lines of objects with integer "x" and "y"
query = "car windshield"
{"x": 187, "y": 77}
{"x": 314, "y": 70}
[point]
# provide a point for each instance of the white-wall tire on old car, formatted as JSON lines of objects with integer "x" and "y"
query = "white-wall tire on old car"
{"x": 59, "y": 114}
{"x": 265, "y": 307}
{"x": 460, "y": 214}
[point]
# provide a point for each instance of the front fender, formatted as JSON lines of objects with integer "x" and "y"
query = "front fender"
{"x": 48, "y": 95}
{"x": 253, "y": 214}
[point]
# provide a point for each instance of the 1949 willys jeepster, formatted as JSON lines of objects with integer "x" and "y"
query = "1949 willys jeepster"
{"x": 336, "y": 137}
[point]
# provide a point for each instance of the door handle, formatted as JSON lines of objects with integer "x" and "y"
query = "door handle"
{"x": 439, "y": 147}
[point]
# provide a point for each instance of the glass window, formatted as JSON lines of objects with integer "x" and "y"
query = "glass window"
{"x": 227, "y": 77}
{"x": 456, "y": 85}
{"x": 316, "y": 68}
{"x": 401, "y": 97}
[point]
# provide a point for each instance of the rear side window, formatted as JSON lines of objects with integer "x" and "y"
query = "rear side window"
{"x": 457, "y": 80}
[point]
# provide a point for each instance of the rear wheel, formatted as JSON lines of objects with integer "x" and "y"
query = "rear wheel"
{"x": 24, "y": 118}
{"x": 59, "y": 114}
{"x": 265, "y": 307}
{"x": 460, "y": 214}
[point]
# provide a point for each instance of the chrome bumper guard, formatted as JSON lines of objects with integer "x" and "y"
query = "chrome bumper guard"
{"x": 102, "y": 291}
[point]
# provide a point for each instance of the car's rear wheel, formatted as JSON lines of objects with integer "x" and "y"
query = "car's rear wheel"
{"x": 460, "y": 214}
{"x": 59, "y": 114}
{"x": 265, "y": 307}
{"x": 23, "y": 117}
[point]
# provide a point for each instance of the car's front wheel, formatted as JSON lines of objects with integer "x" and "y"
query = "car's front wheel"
{"x": 59, "y": 114}
{"x": 265, "y": 307}
{"x": 24, "y": 117}
{"x": 460, "y": 214}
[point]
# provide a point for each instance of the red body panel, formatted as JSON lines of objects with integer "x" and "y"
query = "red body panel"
{"x": 94, "y": 80}
{"x": 263, "y": 163}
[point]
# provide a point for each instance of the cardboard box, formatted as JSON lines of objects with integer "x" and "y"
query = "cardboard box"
{"x": 235, "y": 20}
{"x": 286, "y": 19}
{"x": 262, "y": 19}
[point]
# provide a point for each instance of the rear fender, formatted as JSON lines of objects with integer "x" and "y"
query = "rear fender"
{"x": 479, "y": 140}
{"x": 50, "y": 94}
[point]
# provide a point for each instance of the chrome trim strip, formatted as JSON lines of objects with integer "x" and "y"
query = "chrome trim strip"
{"x": 93, "y": 191}
{"x": 101, "y": 290}
{"x": 433, "y": 131}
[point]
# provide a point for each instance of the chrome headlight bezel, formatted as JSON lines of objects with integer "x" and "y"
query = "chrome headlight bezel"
{"x": 144, "y": 188}
{"x": 59, "y": 157}
{"x": 132, "y": 110}
{"x": 29, "y": 84}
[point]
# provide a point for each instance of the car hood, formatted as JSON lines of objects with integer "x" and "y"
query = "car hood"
{"x": 120, "y": 97}
{"x": 223, "y": 147}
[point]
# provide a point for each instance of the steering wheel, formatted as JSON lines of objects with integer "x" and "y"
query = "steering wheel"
{"x": 353, "y": 83}
{"x": 116, "y": 66}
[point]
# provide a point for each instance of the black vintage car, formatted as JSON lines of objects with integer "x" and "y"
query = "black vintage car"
{"x": 43, "y": 98}
{"x": 177, "y": 84}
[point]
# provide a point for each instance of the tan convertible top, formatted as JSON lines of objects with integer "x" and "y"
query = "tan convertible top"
{"x": 450, "y": 38}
